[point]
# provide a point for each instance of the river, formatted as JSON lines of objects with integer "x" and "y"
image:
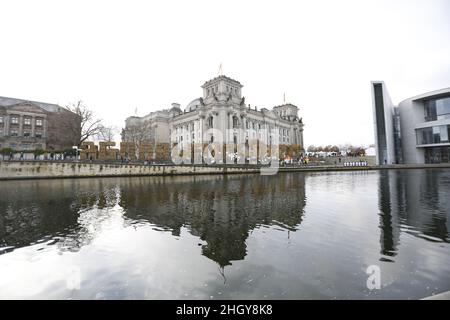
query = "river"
{"x": 288, "y": 236}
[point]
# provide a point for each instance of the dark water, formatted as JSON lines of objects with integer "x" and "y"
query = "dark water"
{"x": 289, "y": 236}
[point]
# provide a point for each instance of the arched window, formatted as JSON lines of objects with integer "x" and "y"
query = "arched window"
{"x": 210, "y": 122}
{"x": 235, "y": 122}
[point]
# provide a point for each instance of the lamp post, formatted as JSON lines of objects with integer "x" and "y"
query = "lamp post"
{"x": 154, "y": 144}
{"x": 76, "y": 152}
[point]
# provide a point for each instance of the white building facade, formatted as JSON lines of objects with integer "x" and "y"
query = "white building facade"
{"x": 221, "y": 116}
{"x": 416, "y": 131}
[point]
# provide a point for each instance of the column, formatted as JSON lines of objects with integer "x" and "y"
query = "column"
{"x": 244, "y": 123}
{"x": 301, "y": 138}
{"x": 33, "y": 126}
{"x": 201, "y": 124}
{"x": 243, "y": 139}
{"x": 202, "y": 130}
{"x": 21, "y": 125}
{"x": 6, "y": 120}
{"x": 44, "y": 128}
{"x": 155, "y": 127}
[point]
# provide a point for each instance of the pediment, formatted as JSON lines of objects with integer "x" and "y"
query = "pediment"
{"x": 270, "y": 114}
{"x": 26, "y": 107}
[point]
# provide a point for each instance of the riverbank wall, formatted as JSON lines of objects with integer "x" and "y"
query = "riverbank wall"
{"x": 14, "y": 170}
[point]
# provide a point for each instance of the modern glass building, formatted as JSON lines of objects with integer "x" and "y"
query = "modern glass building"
{"x": 415, "y": 131}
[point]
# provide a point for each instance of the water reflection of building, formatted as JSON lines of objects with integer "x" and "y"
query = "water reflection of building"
{"x": 221, "y": 211}
{"x": 31, "y": 211}
{"x": 27, "y": 211}
{"x": 415, "y": 201}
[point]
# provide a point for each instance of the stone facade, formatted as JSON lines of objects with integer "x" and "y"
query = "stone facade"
{"x": 104, "y": 151}
{"x": 29, "y": 125}
{"x": 221, "y": 115}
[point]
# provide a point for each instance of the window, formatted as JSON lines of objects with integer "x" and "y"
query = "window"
{"x": 26, "y": 134}
{"x": 443, "y": 108}
{"x": 27, "y": 121}
{"x": 1, "y": 120}
{"x": 38, "y": 134}
{"x": 437, "y": 134}
{"x": 210, "y": 122}
{"x": 235, "y": 122}
{"x": 26, "y": 146}
{"x": 14, "y": 120}
{"x": 443, "y": 131}
{"x": 39, "y": 122}
{"x": 437, "y": 155}
{"x": 437, "y": 109}
{"x": 14, "y": 132}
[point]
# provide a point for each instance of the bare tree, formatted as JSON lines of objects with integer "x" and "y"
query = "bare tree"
{"x": 335, "y": 149}
{"x": 138, "y": 133}
{"x": 90, "y": 125}
{"x": 107, "y": 133}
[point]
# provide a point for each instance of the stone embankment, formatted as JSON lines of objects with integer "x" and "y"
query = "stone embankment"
{"x": 12, "y": 170}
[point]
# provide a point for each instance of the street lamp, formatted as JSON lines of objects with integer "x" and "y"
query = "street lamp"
{"x": 76, "y": 151}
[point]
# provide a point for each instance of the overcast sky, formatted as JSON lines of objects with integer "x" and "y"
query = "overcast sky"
{"x": 117, "y": 56}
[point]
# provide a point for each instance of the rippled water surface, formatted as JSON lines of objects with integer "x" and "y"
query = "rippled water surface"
{"x": 288, "y": 236}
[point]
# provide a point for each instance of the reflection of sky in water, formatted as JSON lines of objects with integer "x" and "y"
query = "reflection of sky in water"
{"x": 290, "y": 236}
